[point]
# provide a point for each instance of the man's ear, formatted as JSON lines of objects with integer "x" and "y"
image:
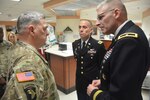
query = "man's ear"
{"x": 117, "y": 13}
{"x": 92, "y": 30}
{"x": 31, "y": 29}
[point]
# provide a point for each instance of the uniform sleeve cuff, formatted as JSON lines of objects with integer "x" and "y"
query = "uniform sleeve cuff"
{"x": 95, "y": 93}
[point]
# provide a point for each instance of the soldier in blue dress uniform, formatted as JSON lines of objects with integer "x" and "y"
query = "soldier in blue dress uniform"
{"x": 88, "y": 53}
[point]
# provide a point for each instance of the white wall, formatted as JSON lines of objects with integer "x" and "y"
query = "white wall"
{"x": 88, "y": 14}
{"x": 146, "y": 22}
{"x": 61, "y": 24}
{"x": 91, "y": 15}
{"x": 146, "y": 25}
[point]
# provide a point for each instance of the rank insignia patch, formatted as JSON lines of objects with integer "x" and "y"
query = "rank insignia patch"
{"x": 25, "y": 76}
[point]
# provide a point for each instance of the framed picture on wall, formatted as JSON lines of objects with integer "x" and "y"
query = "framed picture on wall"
{"x": 94, "y": 30}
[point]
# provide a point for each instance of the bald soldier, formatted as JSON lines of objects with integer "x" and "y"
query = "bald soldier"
{"x": 4, "y": 47}
{"x": 29, "y": 75}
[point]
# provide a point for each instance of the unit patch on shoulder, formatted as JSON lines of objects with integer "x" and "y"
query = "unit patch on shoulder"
{"x": 25, "y": 76}
{"x": 100, "y": 42}
{"x": 128, "y": 34}
{"x": 30, "y": 91}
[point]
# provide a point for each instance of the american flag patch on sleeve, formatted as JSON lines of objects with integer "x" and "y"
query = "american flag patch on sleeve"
{"x": 25, "y": 76}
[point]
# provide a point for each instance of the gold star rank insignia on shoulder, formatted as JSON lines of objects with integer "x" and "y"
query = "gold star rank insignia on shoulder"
{"x": 100, "y": 42}
{"x": 25, "y": 76}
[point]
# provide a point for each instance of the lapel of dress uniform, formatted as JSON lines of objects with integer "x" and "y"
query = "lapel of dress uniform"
{"x": 79, "y": 47}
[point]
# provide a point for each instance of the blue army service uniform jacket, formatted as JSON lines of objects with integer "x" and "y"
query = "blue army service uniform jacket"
{"x": 124, "y": 66}
{"x": 88, "y": 62}
{"x": 30, "y": 77}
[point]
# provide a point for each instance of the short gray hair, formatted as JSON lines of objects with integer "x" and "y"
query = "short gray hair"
{"x": 112, "y": 4}
{"x": 30, "y": 17}
{"x": 89, "y": 21}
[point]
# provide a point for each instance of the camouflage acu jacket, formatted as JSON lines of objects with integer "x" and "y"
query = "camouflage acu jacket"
{"x": 30, "y": 76}
{"x": 4, "y": 48}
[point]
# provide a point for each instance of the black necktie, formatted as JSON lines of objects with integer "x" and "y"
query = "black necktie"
{"x": 83, "y": 45}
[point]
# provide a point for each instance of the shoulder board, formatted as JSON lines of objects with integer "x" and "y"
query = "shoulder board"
{"x": 129, "y": 34}
{"x": 100, "y": 42}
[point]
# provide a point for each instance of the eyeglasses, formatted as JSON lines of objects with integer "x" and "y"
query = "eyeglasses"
{"x": 100, "y": 16}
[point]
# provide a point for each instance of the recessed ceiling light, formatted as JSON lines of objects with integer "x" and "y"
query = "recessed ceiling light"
{"x": 16, "y": 0}
{"x": 0, "y": 13}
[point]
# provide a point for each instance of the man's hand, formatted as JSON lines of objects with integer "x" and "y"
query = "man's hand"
{"x": 96, "y": 83}
{"x": 90, "y": 88}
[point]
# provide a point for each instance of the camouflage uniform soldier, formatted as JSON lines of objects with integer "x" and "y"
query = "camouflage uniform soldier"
{"x": 4, "y": 47}
{"x": 30, "y": 77}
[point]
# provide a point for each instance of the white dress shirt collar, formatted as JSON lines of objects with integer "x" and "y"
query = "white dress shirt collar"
{"x": 119, "y": 28}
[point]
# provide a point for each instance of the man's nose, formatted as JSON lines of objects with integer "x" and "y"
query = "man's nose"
{"x": 81, "y": 29}
{"x": 97, "y": 23}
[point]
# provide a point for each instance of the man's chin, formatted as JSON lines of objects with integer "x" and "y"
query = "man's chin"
{"x": 82, "y": 36}
{"x": 105, "y": 33}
